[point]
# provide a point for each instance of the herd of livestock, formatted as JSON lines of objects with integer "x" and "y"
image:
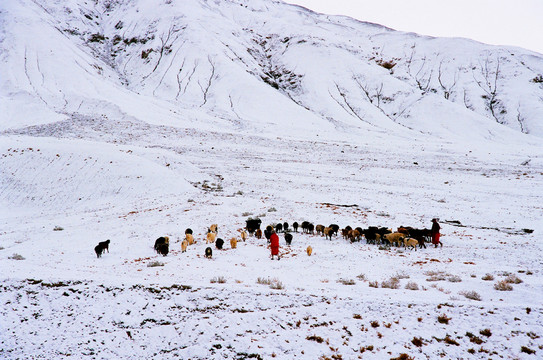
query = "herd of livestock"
{"x": 404, "y": 236}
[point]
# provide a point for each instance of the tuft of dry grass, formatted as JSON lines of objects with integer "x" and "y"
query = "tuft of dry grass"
{"x": 443, "y": 319}
{"x": 412, "y": 286}
{"x": 16, "y": 257}
{"x": 392, "y": 283}
{"x": 361, "y": 277}
{"x": 374, "y": 323}
{"x": 526, "y": 350}
{"x": 503, "y": 286}
{"x": 347, "y": 281}
{"x": 488, "y": 277}
{"x": 417, "y": 342}
{"x": 472, "y": 295}
{"x": 155, "y": 264}
{"x": 277, "y": 285}
{"x": 454, "y": 279}
{"x": 318, "y": 339}
{"x": 218, "y": 279}
{"x": 486, "y": 332}
{"x": 513, "y": 279}
{"x": 450, "y": 341}
{"x": 373, "y": 284}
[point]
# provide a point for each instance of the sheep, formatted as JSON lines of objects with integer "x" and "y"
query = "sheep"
{"x": 243, "y": 236}
{"x": 188, "y": 231}
{"x": 233, "y": 243}
{"x": 219, "y": 243}
{"x": 208, "y": 252}
{"x": 258, "y": 234}
{"x": 101, "y": 247}
{"x": 184, "y": 245}
{"x": 411, "y": 242}
{"x": 161, "y": 241}
{"x": 354, "y": 235}
{"x": 310, "y": 228}
{"x": 210, "y": 237}
{"x": 309, "y": 250}
{"x": 395, "y": 238}
{"x": 295, "y": 226}
{"x": 288, "y": 238}
{"x": 214, "y": 228}
{"x": 304, "y": 226}
{"x": 189, "y": 238}
{"x": 345, "y": 232}
{"x": 319, "y": 229}
{"x": 328, "y": 232}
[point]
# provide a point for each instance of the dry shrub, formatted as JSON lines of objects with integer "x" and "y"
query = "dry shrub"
{"x": 357, "y": 316}
{"x": 373, "y": 284}
{"x": 486, "y": 332}
{"x": 347, "y": 281}
{"x": 315, "y": 338}
{"x": 450, "y": 341}
{"x": 16, "y": 257}
{"x": 155, "y": 264}
{"x": 417, "y": 342}
{"x": 277, "y": 285}
{"x": 488, "y": 277}
{"x": 474, "y": 339}
{"x": 443, "y": 319}
{"x": 264, "y": 281}
{"x": 526, "y": 350}
{"x": 503, "y": 286}
{"x": 403, "y": 356}
{"x": 454, "y": 278}
{"x": 401, "y": 275}
{"x": 513, "y": 279}
{"x": 218, "y": 279}
{"x": 361, "y": 277}
{"x": 374, "y": 323}
{"x": 412, "y": 286}
{"x": 472, "y": 295}
{"x": 392, "y": 283}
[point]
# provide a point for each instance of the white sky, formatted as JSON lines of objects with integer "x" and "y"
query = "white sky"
{"x": 498, "y": 22}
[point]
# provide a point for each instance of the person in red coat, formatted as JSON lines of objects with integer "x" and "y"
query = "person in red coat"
{"x": 274, "y": 245}
{"x": 435, "y": 233}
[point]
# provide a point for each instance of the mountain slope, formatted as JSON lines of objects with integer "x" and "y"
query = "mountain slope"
{"x": 249, "y": 63}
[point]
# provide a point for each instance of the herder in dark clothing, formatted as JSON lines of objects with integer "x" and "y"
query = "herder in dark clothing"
{"x": 435, "y": 233}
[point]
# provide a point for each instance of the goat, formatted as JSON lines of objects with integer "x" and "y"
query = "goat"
{"x": 328, "y": 232}
{"x": 163, "y": 240}
{"x": 214, "y": 228}
{"x": 253, "y": 225}
{"x": 288, "y": 238}
{"x": 309, "y": 250}
{"x": 210, "y": 237}
{"x": 101, "y": 247}
{"x": 285, "y": 226}
{"x": 319, "y": 229}
{"x": 243, "y": 236}
{"x": 209, "y": 252}
{"x": 184, "y": 245}
{"x": 258, "y": 234}
{"x": 411, "y": 242}
{"x": 335, "y": 228}
{"x": 397, "y": 238}
{"x": 189, "y": 238}
{"x": 219, "y": 243}
{"x": 233, "y": 243}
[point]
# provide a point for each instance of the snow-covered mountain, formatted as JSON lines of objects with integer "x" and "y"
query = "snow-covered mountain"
{"x": 133, "y": 119}
{"x": 234, "y": 64}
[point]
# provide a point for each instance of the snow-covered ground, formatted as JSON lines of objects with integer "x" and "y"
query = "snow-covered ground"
{"x": 123, "y": 158}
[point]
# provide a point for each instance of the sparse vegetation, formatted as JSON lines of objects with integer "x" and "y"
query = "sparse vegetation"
{"x": 218, "y": 280}
{"x": 538, "y": 79}
{"x": 155, "y": 264}
{"x": 16, "y": 257}
{"x": 392, "y": 283}
{"x": 417, "y": 341}
{"x": 347, "y": 281}
{"x": 454, "y": 279}
{"x": 443, "y": 319}
{"x": 374, "y": 323}
{"x": 488, "y": 277}
{"x": 486, "y": 332}
{"x": 513, "y": 279}
{"x": 412, "y": 286}
{"x": 472, "y": 295}
{"x": 361, "y": 277}
{"x": 503, "y": 286}
{"x": 373, "y": 284}
{"x": 58, "y": 228}
{"x": 526, "y": 350}
{"x": 277, "y": 285}
{"x": 315, "y": 338}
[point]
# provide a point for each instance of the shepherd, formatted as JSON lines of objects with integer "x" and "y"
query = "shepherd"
{"x": 274, "y": 245}
{"x": 435, "y": 233}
